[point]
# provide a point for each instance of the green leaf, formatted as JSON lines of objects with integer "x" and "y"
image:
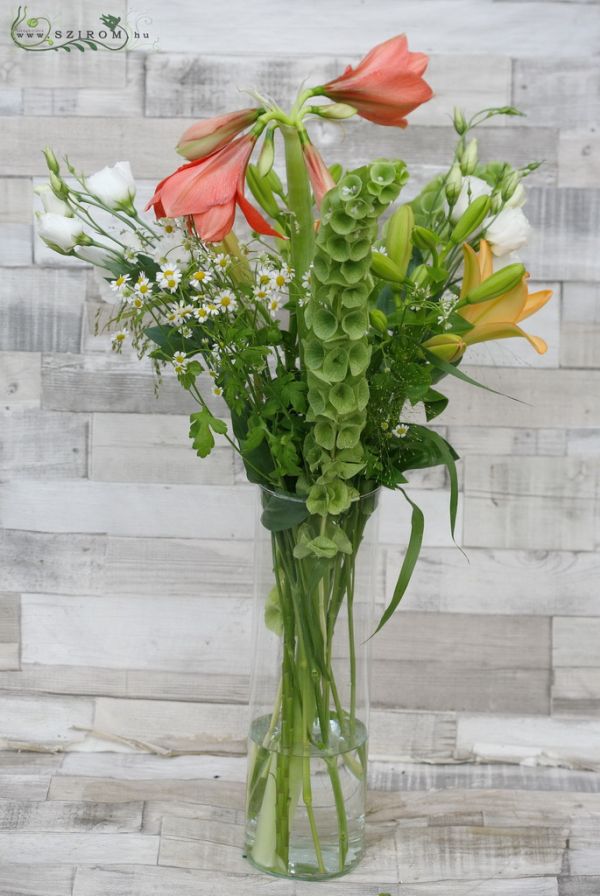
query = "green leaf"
{"x": 447, "y": 455}
{"x": 434, "y": 403}
{"x": 417, "y": 526}
{"x": 282, "y": 511}
{"x": 454, "y": 371}
{"x": 202, "y": 425}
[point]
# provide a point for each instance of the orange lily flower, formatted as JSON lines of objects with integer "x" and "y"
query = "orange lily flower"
{"x": 498, "y": 318}
{"x": 386, "y": 85}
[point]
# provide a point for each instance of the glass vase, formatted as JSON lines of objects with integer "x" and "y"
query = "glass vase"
{"x": 308, "y": 742}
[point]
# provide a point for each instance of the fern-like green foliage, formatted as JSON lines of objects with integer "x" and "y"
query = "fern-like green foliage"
{"x": 336, "y": 347}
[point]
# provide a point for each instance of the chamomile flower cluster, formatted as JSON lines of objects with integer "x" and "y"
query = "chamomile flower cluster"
{"x": 270, "y": 284}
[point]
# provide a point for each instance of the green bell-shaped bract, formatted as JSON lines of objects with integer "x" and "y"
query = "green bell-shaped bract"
{"x": 336, "y": 348}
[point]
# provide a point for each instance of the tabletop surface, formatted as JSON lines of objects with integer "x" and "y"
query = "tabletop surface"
{"x": 123, "y": 824}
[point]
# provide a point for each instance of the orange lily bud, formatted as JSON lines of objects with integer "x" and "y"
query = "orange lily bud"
{"x": 447, "y": 346}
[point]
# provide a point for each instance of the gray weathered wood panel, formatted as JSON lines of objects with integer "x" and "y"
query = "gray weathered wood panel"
{"x": 41, "y": 310}
{"x": 43, "y": 444}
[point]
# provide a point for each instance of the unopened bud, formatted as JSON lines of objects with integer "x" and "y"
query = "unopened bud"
{"x": 496, "y": 203}
{"x": 398, "y": 237}
{"x": 267, "y": 154}
{"x": 378, "y": 319}
{"x": 471, "y": 219}
{"x": 336, "y": 111}
{"x": 447, "y": 346}
{"x": 453, "y": 184}
{"x": 59, "y": 187}
{"x": 502, "y": 281}
{"x": 460, "y": 124}
{"x": 385, "y": 268}
{"x": 51, "y": 160}
{"x": 509, "y": 185}
{"x": 424, "y": 239}
{"x": 420, "y": 275}
{"x": 468, "y": 162}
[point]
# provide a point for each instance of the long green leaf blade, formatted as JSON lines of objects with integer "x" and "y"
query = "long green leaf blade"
{"x": 417, "y": 526}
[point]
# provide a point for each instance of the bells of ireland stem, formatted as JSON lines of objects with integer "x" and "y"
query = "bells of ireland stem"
{"x": 114, "y": 187}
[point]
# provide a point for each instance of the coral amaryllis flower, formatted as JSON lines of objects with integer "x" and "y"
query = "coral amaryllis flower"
{"x": 386, "y": 85}
{"x": 208, "y": 191}
{"x": 320, "y": 176}
{"x": 204, "y": 137}
{"x": 498, "y": 318}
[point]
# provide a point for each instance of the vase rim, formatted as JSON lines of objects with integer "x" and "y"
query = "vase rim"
{"x": 286, "y": 496}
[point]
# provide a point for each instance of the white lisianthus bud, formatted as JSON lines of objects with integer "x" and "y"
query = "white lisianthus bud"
{"x": 453, "y": 184}
{"x": 518, "y": 198}
{"x": 51, "y": 202}
{"x": 468, "y": 162}
{"x": 114, "y": 187}
{"x": 508, "y": 231}
{"x": 472, "y": 187}
{"x": 59, "y": 232}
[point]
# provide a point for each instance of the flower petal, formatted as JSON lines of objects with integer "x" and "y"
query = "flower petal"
{"x": 499, "y": 330}
{"x": 535, "y": 301}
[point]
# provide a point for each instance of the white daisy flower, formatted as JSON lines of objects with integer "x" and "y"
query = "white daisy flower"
{"x": 400, "y": 430}
{"x": 180, "y": 362}
{"x": 263, "y": 275}
{"x": 130, "y": 255}
{"x": 273, "y": 305}
{"x": 136, "y": 301}
{"x": 142, "y": 286}
{"x": 120, "y": 284}
{"x": 168, "y": 225}
{"x": 169, "y": 277}
{"x": 200, "y": 278}
{"x": 226, "y": 301}
{"x": 186, "y": 332}
{"x": 262, "y": 293}
{"x": 212, "y": 309}
{"x": 179, "y": 314}
{"x": 217, "y": 391}
{"x": 221, "y": 261}
{"x": 119, "y": 338}
{"x": 306, "y": 278}
{"x": 281, "y": 277}
{"x": 201, "y": 314}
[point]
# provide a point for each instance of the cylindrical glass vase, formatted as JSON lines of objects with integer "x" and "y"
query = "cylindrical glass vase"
{"x": 307, "y": 758}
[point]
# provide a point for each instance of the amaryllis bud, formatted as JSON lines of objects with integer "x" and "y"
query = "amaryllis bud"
{"x": 204, "y": 137}
{"x": 267, "y": 154}
{"x": 336, "y": 111}
{"x": 320, "y": 176}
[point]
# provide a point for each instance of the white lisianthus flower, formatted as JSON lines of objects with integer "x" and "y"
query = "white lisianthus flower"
{"x": 51, "y": 202}
{"x": 114, "y": 187}
{"x": 60, "y": 232}
{"x": 472, "y": 187}
{"x": 508, "y": 231}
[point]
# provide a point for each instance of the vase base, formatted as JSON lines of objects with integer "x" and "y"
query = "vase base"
{"x": 298, "y": 871}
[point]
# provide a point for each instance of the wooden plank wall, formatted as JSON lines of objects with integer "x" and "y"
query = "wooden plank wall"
{"x": 125, "y": 562}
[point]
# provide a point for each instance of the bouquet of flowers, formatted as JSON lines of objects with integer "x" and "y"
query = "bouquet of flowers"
{"x": 324, "y": 330}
